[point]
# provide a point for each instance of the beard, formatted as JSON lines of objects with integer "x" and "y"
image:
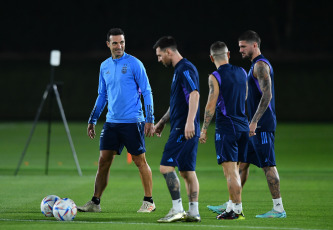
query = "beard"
{"x": 167, "y": 64}
{"x": 118, "y": 53}
{"x": 248, "y": 56}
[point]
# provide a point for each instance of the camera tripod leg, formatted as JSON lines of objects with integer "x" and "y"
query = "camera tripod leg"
{"x": 55, "y": 89}
{"x": 46, "y": 92}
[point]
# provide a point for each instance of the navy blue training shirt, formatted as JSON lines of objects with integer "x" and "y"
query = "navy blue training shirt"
{"x": 230, "y": 106}
{"x": 268, "y": 120}
{"x": 185, "y": 80}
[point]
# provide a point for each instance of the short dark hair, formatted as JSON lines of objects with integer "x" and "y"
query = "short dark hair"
{"x": 114, "y": 31}
{"x": 250, "y": 36}
{"x": 166, "y": 42}
{"x": 218, "y": 47}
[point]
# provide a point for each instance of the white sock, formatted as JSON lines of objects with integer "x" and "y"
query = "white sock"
{"x": 238, "y": 208}
{"x": 230, "y": 206}
{"x": 277, "y": 205}
{"x": 193, "y": 208}
{"x": 177, "y": 205}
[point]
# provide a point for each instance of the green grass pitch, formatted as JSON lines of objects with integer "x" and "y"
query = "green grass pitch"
{"x": 304, "y": 155}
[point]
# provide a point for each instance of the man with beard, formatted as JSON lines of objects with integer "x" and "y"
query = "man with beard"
{"x": 122, "y": 81}
{"x": 181, "y": 149}
{"x": 261, "y": 111}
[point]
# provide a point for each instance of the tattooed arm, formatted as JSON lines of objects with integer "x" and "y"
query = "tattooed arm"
{"x": 261, "y": 72}
{"x": 210, "y": 106}
{"x": 160, "y": 125}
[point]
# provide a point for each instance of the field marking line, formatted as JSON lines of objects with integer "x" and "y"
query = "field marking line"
{"x": 161, "y": 224}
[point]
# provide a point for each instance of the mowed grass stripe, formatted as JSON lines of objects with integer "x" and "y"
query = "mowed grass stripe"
{"x": 183, "y": 225}
{"x": 304, "y": 156}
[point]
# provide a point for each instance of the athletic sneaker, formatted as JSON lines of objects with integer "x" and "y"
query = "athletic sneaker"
{"x": 147, "y": 207}
{"x": 231, "y": 216}
{"x": 188, "y": 218}
{"x": 90, "y": 206}
{"x": 172, "y": 216}
{"x": 218, "y": 209}
{"x": 273, "y": 214}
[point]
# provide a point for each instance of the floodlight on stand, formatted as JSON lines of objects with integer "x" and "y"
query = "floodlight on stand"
{"x": 55, "y": 58}
{"x": 51, "y": 90}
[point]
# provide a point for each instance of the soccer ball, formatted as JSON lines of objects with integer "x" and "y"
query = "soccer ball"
{"x": 46, "y": 206}
{"x": 64, "y": 209}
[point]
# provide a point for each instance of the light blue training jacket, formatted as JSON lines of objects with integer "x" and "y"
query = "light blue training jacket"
{"x": 121, "y": 83}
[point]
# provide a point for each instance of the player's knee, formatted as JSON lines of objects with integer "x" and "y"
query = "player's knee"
{"x": 104, "y": 164}
{"x": 166, "y": 169}
{"x": 183, "y": 174}
{"x": 271, "y": 171}
{"x": 188, "y": 175}
{"x": 106, "y": 157}
{"x": 139, "y": 161}
{"x": 243, "y": 167}
{"x": 163, "y": 170}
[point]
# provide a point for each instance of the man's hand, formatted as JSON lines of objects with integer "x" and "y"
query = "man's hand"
{"x": 91, "y": 131}
{"x": 189, "y": 130}
{"x": 203, "y": 136}
{"x": 159, "y": 128}
{"x": 253, "y": 127}
{"x": 149, "y": 129}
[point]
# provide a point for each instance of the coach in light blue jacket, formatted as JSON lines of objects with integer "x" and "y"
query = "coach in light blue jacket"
{"x": 122, "y": 80}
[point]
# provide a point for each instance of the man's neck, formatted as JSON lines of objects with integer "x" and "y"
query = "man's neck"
{"x": 176, "y": 58}
{"x": 255, "y": 54}
{"x": 220, "y": 63}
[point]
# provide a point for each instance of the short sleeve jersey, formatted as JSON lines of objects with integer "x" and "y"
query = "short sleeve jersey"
{"x": 230, "y": 106}
{"x": 185, "y": 80}
{"x": 268, "y": 120}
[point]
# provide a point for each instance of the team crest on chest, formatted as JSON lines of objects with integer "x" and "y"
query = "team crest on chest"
{"x": 124, "y": 69}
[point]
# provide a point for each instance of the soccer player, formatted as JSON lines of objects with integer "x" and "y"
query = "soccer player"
{"x": 261, "y": 111}
{"x": 122, "y": 80}
{"x": 181, "y": 147}
{"x": 227, "y": 95}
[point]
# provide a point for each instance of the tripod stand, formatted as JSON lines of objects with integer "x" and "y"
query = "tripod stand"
{"x": 51, "y": 90}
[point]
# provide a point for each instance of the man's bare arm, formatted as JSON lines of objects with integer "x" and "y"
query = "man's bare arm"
{"x": 211, "y": 102}
{"x": 166, "y": 117}
{"x": 193, "y": 104}
{"x": 210, "y": 107}
{"x": 261, "y": 72}
{"x": 161, "y": 124}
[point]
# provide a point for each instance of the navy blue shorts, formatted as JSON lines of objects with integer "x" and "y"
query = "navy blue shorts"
{"x": 261, "y": 149}
{"x": 231, "y": 147}
{"x": 115, "y": 136}
{"x": 180, "y": 152}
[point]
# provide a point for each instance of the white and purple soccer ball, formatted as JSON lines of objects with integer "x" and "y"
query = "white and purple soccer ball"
{"x": 64, "y": 209}
{"x": 47, "y": 204}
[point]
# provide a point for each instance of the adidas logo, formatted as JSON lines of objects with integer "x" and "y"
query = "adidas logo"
{"x": 170, "y": 160}
{"x": 179, "y": 140}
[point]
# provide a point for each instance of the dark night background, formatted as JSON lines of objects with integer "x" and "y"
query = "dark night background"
{"x": 296, "y": 38}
